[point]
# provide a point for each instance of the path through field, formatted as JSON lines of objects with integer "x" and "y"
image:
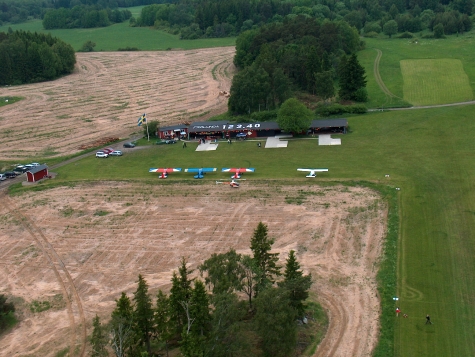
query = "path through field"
{"x": 84, "y": 245}
{"x": 107, "y": 93}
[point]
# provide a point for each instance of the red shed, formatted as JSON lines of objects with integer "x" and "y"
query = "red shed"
{"x": 37, "y": 173}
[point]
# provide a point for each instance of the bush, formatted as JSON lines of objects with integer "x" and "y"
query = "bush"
{"x": 268, "y": 115}
{"x": 371, "y": 34}
{"x": 338, "y": 109}
{"x": 406, "y": 35}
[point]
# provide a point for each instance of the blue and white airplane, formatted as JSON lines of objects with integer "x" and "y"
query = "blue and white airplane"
{"x": 201, "y": 171}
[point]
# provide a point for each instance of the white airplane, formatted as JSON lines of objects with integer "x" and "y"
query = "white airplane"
{"x": 312, "y": 171}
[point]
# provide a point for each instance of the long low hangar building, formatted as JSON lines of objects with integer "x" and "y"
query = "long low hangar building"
{"x": 226, "y": 129}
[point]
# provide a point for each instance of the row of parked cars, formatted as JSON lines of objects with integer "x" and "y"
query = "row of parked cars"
{"x": 104, "y": 153}
{"x": 20, "y": 169}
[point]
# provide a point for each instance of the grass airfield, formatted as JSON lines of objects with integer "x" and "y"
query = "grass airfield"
{"x": 428, "y": 153}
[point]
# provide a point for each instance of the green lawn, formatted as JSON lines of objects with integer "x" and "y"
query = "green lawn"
{"x": 121, "y": 35}
{"x": 435, "y": 81}
{"x": 396, "y": 50}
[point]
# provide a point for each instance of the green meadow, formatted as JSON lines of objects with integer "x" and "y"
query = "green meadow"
{"x": 435, "y": 81}
{"x": 396, "y": 50}
{"x": 121, "y": 35}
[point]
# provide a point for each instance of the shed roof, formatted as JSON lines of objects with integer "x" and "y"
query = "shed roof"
{"x": 329, "y": 123}
{"x": 36, "y": 169}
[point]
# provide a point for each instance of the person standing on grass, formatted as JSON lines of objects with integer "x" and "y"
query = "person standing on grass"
{"x": 397, "y": 311}
{"x": 428, "y": 321}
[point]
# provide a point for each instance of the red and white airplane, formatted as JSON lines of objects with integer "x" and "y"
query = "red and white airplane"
{"x": 232, "y": 183}
{"x": 312, "y": 171}
{"x": 164, "y": 171}
{"x": 237, "y": 171}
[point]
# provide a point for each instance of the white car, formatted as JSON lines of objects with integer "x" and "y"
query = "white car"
{"x": 116, "y": 153}
{"x": 101, "y": 154}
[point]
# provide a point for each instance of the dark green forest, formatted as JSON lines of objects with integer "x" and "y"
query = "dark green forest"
{"x": 299, "y": 54}
{"x": 16, "y": 11}
{"x": 239, "y": 305}
{"x": 83, "y": 16}
{"x": 27, "y": 57}
{"x": 215, "y": 18}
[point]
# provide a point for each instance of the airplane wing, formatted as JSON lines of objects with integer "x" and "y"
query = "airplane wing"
{"x": 313, "y": 170}
{"x": 244, "y": 169}
{"x": 204, "y": 169}
{"x": 171, "y": 169}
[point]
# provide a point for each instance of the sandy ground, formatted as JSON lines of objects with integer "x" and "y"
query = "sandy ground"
{"x": 107, "y": 93}
{"x": 80, "y": 247}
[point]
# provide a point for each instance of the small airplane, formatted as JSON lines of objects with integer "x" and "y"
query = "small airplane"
{"x": 165, "y": 171}
{"x": 231, "y": 183}
{"x": 200, "y": 172}
{"x": 312, "y": 171}
{"x": 237, "y": 171}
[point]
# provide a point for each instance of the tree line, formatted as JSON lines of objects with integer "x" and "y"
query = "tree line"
{"x": 215, "y": 18}
{"x": 207, "y": 316}
{"x": 27, "y": 57}
{"x": 83, "y": 16}
{"x": 17, "y": 11}
{"x": 300, "y": 54}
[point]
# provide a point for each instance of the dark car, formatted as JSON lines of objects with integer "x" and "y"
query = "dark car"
{"x": 20, "y": 170}
{"x": 10, "y": 174}
{"x": 129, "y": 145}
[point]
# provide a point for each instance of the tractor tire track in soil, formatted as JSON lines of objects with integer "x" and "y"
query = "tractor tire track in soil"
{"x": 54, "y": 260}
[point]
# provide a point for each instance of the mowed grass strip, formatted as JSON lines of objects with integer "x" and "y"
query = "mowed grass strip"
{"x": 435, "y": 81}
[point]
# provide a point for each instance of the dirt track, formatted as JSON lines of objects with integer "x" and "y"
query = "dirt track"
{"x": 89, "y": 243}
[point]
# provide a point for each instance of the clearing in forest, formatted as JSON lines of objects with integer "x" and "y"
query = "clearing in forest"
{"x": 435, "y": 81}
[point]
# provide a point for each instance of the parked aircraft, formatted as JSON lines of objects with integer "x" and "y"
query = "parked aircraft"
{"x": 201, "y": 171}
{"x": 164, "y": 171}
{"x": 237, "y": 171}
{"x": 312, "y": 171}
{"x": 231, "y": 183}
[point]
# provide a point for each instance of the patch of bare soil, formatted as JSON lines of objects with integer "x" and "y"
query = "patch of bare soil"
{"x": 107, "y": 93}
{"x": 89, "y": 243}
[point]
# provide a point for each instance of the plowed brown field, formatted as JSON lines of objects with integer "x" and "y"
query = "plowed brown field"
{"x": 80, "y": 247}
{"x": 107, "y": 93}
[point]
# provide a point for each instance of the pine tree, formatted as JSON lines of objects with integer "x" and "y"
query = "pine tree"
{"x": 180, "y": 293}
{"x": 265, "y": 261}
{"x": 296, "y": 283}
{"x": 162, "y": 319}
{"x": 352, "y": 79}
{"x": 98, "y": 339}
{"x": 143, "y": 313}
{"x": 121, "y": 330}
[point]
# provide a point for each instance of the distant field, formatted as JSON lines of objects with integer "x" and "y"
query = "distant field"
{"x": 396, "y": 50}
{"x": 435, "y": 81}
{"x": 121, "y": 36}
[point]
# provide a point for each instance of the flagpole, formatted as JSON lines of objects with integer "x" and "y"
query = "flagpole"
{"x": 148, "y": 135}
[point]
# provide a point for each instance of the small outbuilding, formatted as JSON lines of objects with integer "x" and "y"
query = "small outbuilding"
{"x": 37, "y": 173}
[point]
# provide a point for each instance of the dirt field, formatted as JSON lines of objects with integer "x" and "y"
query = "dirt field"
{"x": 79, "y": 247}
{"x": 107, "y": 93}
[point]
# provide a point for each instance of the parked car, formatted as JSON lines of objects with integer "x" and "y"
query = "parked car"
{"x": 116, "y": 153}
{"x": 241, "y": 135}
{"x": 101, "y": 154}
{"x": 29, "y": 166}
{"x": 10, "y": 174}
{"x": 2, "y": 177}
{"x": 20, "y": 169}
{"x": 129, "y": 145}
{"x": 171, "y": 141}
{"x": 35, "y": 164}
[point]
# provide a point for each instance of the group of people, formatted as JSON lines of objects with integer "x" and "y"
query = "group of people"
{"x": 398, "y": 311}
